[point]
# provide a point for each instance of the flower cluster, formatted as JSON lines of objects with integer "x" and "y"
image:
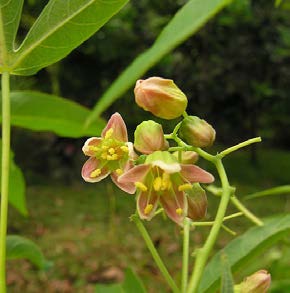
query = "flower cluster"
{"x": 158, "y": 176}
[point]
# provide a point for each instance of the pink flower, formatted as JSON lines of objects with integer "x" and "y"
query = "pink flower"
{"x": 109, "y": 154}
{"x": 161, "y": 179}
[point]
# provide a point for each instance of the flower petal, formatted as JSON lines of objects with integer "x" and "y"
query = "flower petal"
{"x": 132, "y": 154}
{"x": 118, "y": 125}
{"x": 89, "y": 166}
{"x": 193, "y": 174}
{"x": 147, "y": 204}
{"x": 168, "y": 168}
{"x": 175, "y": 205}
{"x": 197, "y": 202}
{"x": 128, "y": 187}
{"x": 135, "y": 174}
{"x": 93, "y": 141}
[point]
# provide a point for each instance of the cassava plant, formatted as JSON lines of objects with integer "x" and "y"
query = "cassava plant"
{"x": 165, "y": 178}
{"x": 161, "y": 171}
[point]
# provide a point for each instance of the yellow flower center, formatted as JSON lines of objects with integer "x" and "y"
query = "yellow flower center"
{"x": 179, "y": 211}
{"x": 162, "y": 183}
{"x": 110, "y": 149}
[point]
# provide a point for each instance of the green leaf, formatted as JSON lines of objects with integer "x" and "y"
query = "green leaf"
{"x": 43, "y": 112}
{"x": 132, "y": 283}
{"x": 10, "y": 12}
{"x": 192, "y": 16}
{"x": 16, "y": 185}
{"x": 271, "y": 191}
{"x": 61, "y": 27}
{"x": 227, "y": 285}
{"x": 20, "y": 247}
{"x": 245, "y": 248}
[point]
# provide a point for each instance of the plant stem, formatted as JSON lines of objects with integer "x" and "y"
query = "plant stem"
{"x": 184, "y": 277}
{"x": 248, "y": 214}
{"x": 212, "y": 222}
{"x": 154, "y": 253}
{"x": 203, "y": 253}
{"x": 238, "y": 146}
{"x": 4, "y": 176}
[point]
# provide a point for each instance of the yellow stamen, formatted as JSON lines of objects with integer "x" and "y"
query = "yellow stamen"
{"x": 93, "y": 148}
{"x": 157, "y": 183}
{"x": 148, "y": 209}
{"x": 95, "y": 173}
{"x": 109, "y": 133}
{"x": 124, "y": 149}
{"x": 104, "y": 156}
{"x": 166, "y": 182}
{"x": 104, "y": 147}
{"x": 112, "y": 157}
{"x": 179, "y": 211}
{"x": 183, "y": 187}
{"x": 111, "y": 151}
{"x": 141, "y": 186}
{"x": 119, "y": 172}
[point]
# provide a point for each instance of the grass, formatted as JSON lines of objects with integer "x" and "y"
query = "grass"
{"x": 85, "y": 230}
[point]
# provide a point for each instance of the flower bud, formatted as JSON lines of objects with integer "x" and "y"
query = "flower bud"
{"x": 149, "y": 137}
{"x": 161, "y": 97}
{"x": 197, "y": 202}
{"x": 196, "y": 132}
{"x": 259, "y": 282}
{"x": 187, "y": 157}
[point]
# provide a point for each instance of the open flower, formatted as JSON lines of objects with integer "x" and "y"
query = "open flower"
{"x": 109, "y": 154}
{"x": 161, "y": 179}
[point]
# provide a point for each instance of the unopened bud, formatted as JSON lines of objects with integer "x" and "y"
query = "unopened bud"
{"x": 197, "y": 202}
{"x": 149, "y": 137}
{"x": 187, "y": 157}
{"x": 259, "y": 282}
{"x": 196, "y": 132}
{"x": 161, "y": 97}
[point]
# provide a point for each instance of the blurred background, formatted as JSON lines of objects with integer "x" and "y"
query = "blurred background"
{"x": 235, "y": 72}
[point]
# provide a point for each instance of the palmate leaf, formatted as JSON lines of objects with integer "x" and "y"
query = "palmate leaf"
{"x": 244, "y": 249}
{"x": 20, "y": 247}
{"x": 44, "y": 112}
{"x": 10, "y": 12}
{"x": 16, "y": 186}
{"x": 192, "y": 16}
{"x": 61, "y": 27}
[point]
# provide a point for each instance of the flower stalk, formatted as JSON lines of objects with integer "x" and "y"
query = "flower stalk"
{"x": 4, "y": 176}
{"x": 203, "y": 253}
{"x": 155, "y": 253}
{"x": 184, "y": 277}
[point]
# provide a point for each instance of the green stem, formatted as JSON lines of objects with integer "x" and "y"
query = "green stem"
{"x": 212, "y": 222}
{"x": 238, "y": 146}
{"x": 203, "y": 253}
{"x": 186, "y": 228}
{"x": 154, "y": 253}
{"x": 248, "y": 214}
{"x": 4, "y": 176}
